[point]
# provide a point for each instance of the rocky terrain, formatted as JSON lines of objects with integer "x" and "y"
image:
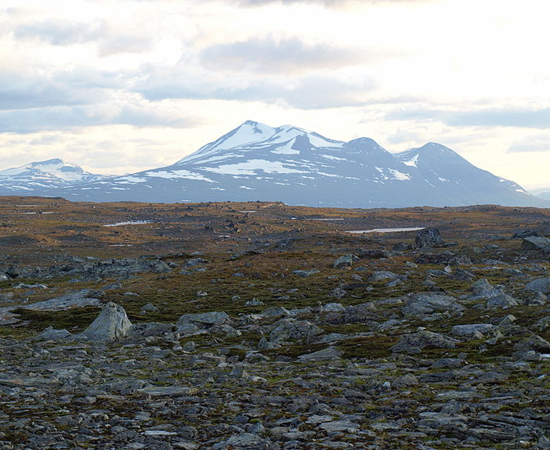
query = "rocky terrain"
{"x": 264, "y": 326}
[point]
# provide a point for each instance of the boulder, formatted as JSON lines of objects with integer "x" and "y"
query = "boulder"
{"x": 275, "y": 312}
{"x": 333, "y": 307}
{"x": 471, "y": 330}
{"x": 51, "y": 334}
{"x": 522, "y": 234}
{"x": 423, "y": 304}
{"x": 209, "y": 318}
{"x": 344, "y": 261}
{"x": 429, "y": 237}
{"x": 533, "y": 342}
{"x": 501, "y": 300}
{"x": 539, "y": 285}
{"x": 536, "y": 243}
{"x": 495, "y": 296}
{"x": 112, "y": 323}
{"x": 306, "y": 273}
{"x": 78, "y": 299}
{"x": 293, "y": 329}
{"x": 381, "y": 275}
{"x": 416, "y": 342}
{"x": 327, "y": 354}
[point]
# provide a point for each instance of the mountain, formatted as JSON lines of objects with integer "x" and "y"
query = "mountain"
{"x": 289, "y": 164}
{"x": 543, "y": 193}
{"x": 39, "y": 177}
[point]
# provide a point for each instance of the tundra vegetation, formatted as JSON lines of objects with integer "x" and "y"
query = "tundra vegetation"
{"x": 266, "y": 326}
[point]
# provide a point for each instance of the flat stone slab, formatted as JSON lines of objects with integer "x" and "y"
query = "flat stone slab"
{"x": 168, "y": 391}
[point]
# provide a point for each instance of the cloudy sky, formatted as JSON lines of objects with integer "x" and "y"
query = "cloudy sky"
{"x": 118, "y": 86}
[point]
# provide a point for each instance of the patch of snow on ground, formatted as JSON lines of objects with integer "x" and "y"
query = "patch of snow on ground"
{"x": 386, "y": 230}
{"x": 134, "y": 222}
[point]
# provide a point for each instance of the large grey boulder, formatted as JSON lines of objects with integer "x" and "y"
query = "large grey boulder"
{"x": 244, "y": 441}
{"x": 429, "y": 237}
{"x": 424, "y": 304}
{"x": 78, "y": 299}
{"x": 501, "y": 300}
{"x": 51, "y": 334}
{"x": 536, "y": 243}
{"x": 414, "y": 343}
{"x": 209, "y": 318}
{"x": 344, "y": 261}
{"x": 471, "y": 330}
{"x": 286, "y": 329}
{"x": 494, "y": 295}
{"x": 112, "y": 323}
{"x": 539, "y": 285}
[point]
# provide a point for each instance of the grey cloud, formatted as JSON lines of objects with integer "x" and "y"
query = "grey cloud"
{"x": 326, "y": 3}
{"x": 47, "y": 140}
{"x": 64, "y": 117}
{"x": 485, "y": 118}
{"x": 308, "y": 93}
{"x": 64, "y": 33}
{"x": 22, "y": 92}
{"x": 268, "y": 55}
{"x": 313, "y": 92}
{"x": 125, "y": 44}
{"x": 60, "y": 32}
{"x": 399, "y": 137}
{"x": 502, "y": 118}
{"x": 536, "y": 146}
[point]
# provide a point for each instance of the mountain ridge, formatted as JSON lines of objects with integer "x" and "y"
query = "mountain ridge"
{"x": 255, "y": 161}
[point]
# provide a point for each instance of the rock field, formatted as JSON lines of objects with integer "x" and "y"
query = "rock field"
{"x": 273, "y": 338}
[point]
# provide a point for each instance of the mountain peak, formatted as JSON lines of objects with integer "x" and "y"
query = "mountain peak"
{"x": 290, "y": 164}
{"x": 53, "y": 171}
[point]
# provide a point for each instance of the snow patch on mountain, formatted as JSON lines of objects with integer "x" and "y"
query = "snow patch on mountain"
{"x": 180, "y": 173}
{"x": 411, "y": 162}
{"x": 252, "y": 167}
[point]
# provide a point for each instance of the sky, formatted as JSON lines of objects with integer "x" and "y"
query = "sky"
{"x": 119, "y": 86}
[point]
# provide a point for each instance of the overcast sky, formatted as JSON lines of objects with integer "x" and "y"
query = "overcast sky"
{"x": 118, "y": 86}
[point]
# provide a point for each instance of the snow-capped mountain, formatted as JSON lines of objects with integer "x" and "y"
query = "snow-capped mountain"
{"x": 289, "y": 164}
{"x": 44, "y": 175}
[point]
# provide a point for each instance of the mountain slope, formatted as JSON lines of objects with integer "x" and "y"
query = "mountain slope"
{"x": 455, "y": 177}
{"x": 289, "y": 164}
{"x": 41, "y": 176}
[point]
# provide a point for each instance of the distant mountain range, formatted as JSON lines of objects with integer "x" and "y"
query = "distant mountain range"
{"x": 289, "y": 164}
